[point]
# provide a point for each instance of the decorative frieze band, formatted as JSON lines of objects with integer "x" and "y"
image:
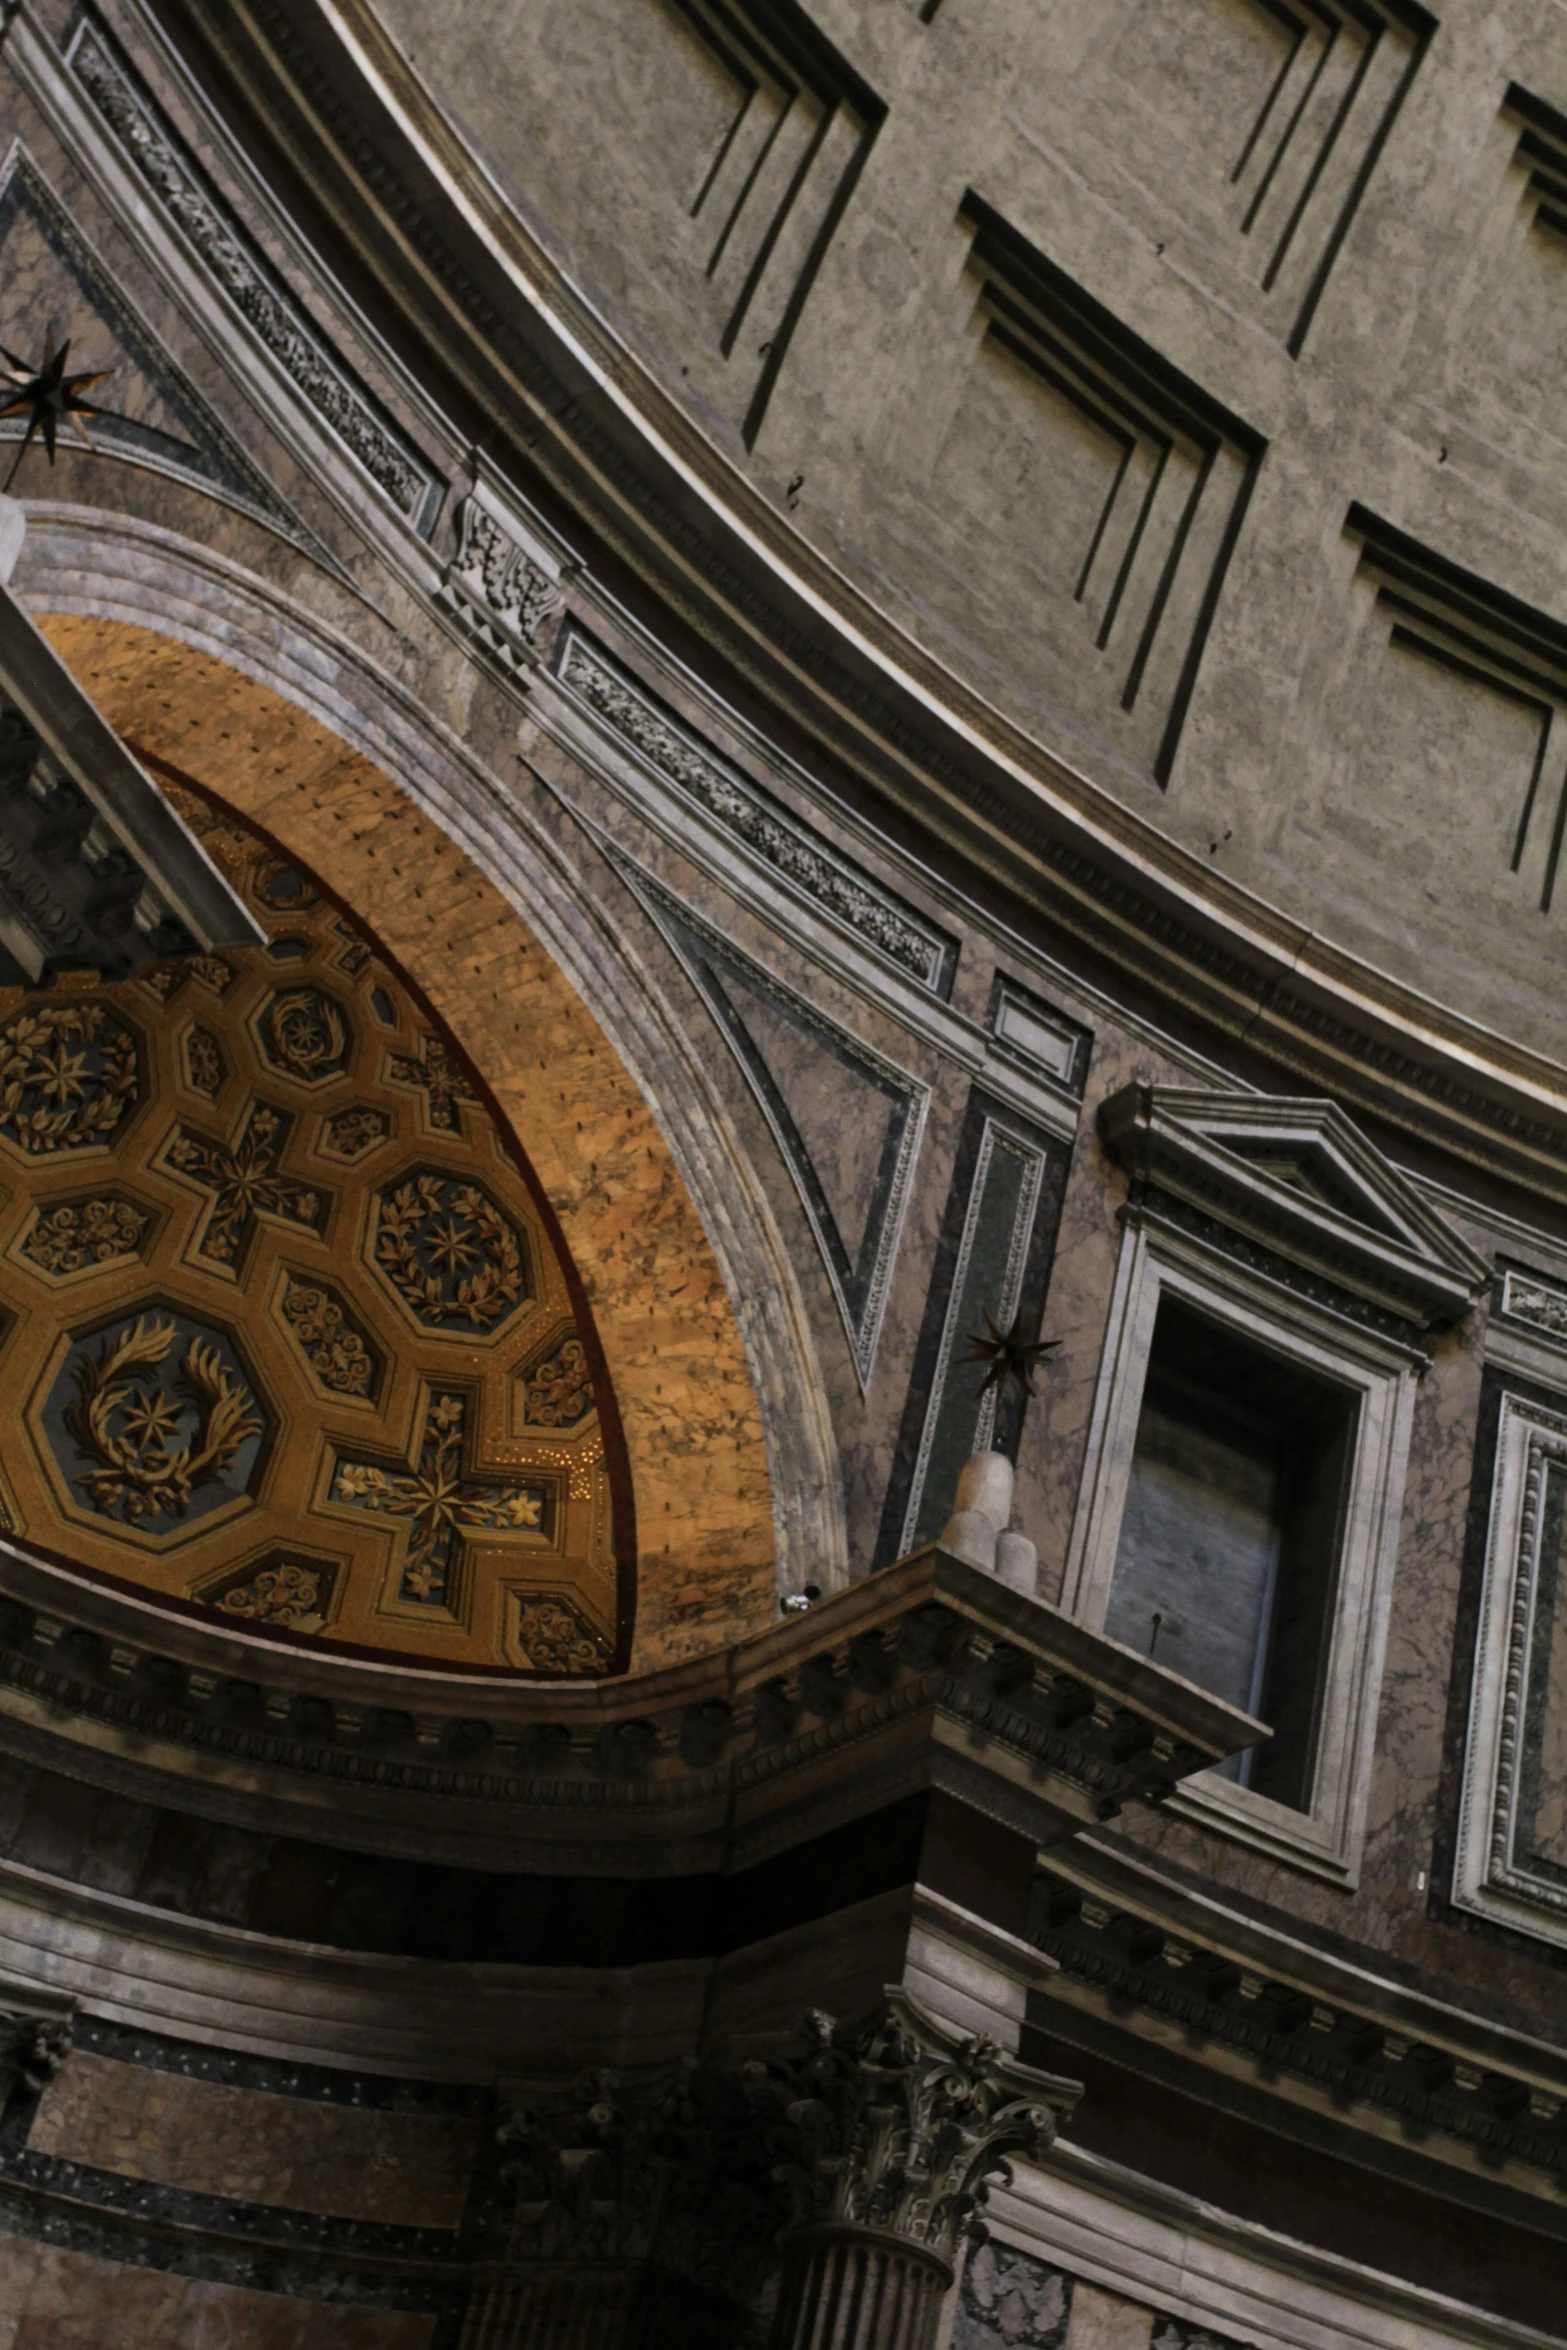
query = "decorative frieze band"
{"x": 1117, "y": 1962}
{"x": 1527, "y": 1298}
{"x": 810, "y": 865}
{"x": 252, "y": 285}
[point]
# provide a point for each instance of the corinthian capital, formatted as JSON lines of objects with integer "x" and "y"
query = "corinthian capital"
{"x": 896, "y": 2124}
{"x": 32, "y": 2049}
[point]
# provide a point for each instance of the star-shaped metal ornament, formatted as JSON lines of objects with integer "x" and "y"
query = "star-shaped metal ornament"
{"x": 1010, "y": 1353}
{"x": 47, "y": 396}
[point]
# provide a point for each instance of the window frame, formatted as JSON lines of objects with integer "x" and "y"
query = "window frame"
{"x": 1328, "y": 1838}
{"x": 1487, "y": 1879}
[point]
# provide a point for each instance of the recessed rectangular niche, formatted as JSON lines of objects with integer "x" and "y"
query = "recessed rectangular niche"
{"x": 1115, "y": 485}
{"x": 730, "y": 135}
{"x": 1458, "y": 734}
{"x": 1259, "y": 123}
{"x": 1542, "y": 153}
{"x": 1227, "y": 1562}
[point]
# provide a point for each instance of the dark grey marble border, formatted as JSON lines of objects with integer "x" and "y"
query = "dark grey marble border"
{"x": 930, "y": 1382}
{"x": 315, "y": 2084}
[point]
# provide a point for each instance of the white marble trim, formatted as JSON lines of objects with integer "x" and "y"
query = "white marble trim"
{"x": 1328, "y": 1838}
{"x": 1186, "y": 2259}
{"x": 1488, "y": 1877}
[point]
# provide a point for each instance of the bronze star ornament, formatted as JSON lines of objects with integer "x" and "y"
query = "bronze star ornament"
{"x": 1012, "y": 1353}
{"x": 47, "y": 396}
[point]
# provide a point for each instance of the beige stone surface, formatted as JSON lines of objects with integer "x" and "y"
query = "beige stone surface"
{"x": 1368, "y": 291}
{"x": 346, "y": 2162}
{"x": 51, "y": 2299}
{"x": 1103, "y": 2321}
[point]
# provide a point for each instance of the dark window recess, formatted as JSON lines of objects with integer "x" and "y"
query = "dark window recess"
{"x": 1229, "y": 1549}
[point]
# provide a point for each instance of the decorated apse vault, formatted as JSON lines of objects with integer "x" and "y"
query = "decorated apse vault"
{"x": 284, "y": 1332}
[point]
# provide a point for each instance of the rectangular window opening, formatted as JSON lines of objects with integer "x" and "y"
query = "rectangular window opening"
{"x": 1228, "y": 1557}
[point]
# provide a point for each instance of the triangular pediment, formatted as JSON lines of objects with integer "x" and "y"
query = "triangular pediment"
{"x": 1297, "y": 1177}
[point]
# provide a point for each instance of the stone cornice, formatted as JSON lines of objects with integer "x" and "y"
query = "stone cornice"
{"x": 928, "y": 1674}
{"x": 1181, "y": 1976}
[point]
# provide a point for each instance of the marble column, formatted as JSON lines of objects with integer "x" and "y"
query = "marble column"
{"x": 835, "y": 2186}
{"x": 895, "y": 2131}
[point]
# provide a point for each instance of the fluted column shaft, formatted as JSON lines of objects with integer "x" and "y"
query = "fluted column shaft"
{"x": 856, "y": 2288}
{"x": 594, "y": 2305}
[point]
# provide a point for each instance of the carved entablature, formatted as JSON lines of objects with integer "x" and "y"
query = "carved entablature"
{"x": 927, "y": 1677}
{"x": 1140, "y": 1968}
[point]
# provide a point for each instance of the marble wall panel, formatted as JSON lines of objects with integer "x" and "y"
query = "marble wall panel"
{"x": 55, "y": 2299}
{"x": 1104, "y": 2321}
{"x": 213, "y": 2138}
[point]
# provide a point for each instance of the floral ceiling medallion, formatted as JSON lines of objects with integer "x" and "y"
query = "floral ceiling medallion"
{"x": 290, "y": 1337}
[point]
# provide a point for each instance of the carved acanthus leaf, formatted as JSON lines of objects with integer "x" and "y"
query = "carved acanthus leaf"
{"x": 896, "y": 2124}
{"x": 32, "y": 2049}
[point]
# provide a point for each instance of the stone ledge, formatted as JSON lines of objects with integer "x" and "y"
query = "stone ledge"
{"x": 928, "y": 1674}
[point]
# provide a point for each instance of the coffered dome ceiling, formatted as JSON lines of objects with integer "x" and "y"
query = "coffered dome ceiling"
{"x": 285, "y": 1332}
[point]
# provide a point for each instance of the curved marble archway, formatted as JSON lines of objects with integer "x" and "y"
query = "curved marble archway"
{"x": 672, "y": 1347}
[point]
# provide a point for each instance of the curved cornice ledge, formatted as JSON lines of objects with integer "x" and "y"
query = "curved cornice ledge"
{"x": 511, "y": 340}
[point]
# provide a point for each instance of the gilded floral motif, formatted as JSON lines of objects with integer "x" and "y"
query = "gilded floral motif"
{"x": 83, "y": 1232}
{"x": 556, "y": 1640}
{"x": 305, "y": 1034}
{"x": 439, "y": 1076}
{"x": 449, "y": 1252}
{"x": 194, "y": 1372}
{"x": 293, "y": 1593}
{"x": 154, "y": 1446}
{"x": 245, "y": 1183}
{"x": 351, "y": 1133}
{"x": 205, "y": 1067}
{"x": 355, "y": 956}
{"x": 334, "y": 1349}
{"x": 437, "y": 1500}
{"x": 67, "y": 1076}
{"x": 559, "y": 1390}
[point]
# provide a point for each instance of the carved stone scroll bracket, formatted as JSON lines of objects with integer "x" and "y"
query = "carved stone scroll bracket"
{"x": 503, "y": 583}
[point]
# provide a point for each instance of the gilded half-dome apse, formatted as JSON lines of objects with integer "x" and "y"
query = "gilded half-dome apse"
{"x": 285, "y": 1330}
